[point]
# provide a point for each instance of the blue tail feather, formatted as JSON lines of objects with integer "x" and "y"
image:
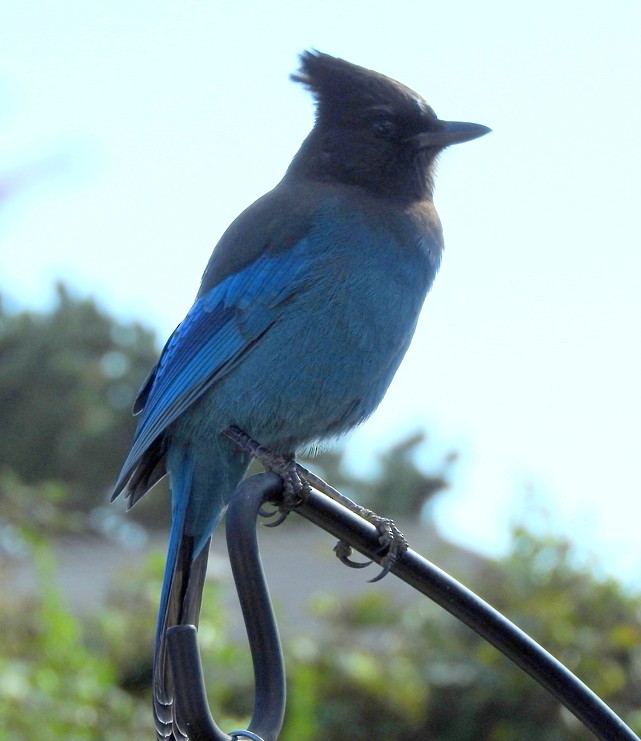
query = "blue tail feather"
{"x": 180, "y": 574}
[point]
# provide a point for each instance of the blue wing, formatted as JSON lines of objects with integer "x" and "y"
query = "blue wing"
{"x": 219, "y": 329}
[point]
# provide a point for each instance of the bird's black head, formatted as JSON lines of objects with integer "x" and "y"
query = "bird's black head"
{"x": 371, "y": 131}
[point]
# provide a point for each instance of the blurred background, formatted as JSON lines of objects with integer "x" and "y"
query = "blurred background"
{"x": 130, "y": 136}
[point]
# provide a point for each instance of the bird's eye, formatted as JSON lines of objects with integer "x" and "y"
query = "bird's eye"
{"x": 384, "y": 127}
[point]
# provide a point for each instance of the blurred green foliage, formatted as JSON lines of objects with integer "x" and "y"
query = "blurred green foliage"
{"x": 53, "y": 685}
{"x": 377, "y": 670}
{"x": 422, "y": 666}
{"x": 68, "y": 378}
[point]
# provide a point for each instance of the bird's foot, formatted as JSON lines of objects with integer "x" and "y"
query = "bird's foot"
{"x": 297, "y": 482}
{"x": 392, "y": 541}
{"x": 295, "y": 487}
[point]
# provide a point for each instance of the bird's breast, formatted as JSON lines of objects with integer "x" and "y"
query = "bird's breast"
{"x": 338, "y": 336}
{"x": 374, "y": 268}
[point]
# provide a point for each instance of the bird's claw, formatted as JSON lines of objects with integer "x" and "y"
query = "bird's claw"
{"x": 276, "y": 513}
{"x": 390, "y": 538}
{"x": 295, "y": 487}
{"x": 343, "y": 551}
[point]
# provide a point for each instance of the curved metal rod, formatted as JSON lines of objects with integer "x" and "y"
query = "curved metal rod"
{"x": 260, "y": 623}
{"x": 192, "y": 709}
{"x": 470, "y": 609}
{"x": 411, "y": 568}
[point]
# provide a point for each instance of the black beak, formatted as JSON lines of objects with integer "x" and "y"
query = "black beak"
{"x": 445, "y": 133}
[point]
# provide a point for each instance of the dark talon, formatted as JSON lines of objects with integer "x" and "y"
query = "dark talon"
{"x": 397, "y": 545}
{"x": 277, "y": 512}
{"x": 392, "y": 539}
{"x": 387, "y": 567}
{"x": 344, "y": 551}
{"x": 267, "y": 513}
{"x": 281, "y": 518}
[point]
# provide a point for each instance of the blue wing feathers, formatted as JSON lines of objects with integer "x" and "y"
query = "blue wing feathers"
{"x": 220, "y": 327}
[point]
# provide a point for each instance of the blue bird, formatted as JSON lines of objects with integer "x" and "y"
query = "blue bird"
{"x": 304, "y": 313}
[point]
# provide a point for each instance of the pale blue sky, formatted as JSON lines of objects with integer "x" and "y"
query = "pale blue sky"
{"x": 150, "y": 125}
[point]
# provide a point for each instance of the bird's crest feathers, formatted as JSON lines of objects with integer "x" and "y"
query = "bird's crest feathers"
{"x": 336, "y": 83}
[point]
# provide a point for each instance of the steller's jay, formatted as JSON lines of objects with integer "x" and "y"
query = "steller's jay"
{"x": 304, "y": 313}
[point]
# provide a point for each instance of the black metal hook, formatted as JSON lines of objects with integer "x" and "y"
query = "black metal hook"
{"x": 192, "y": 709}
{"x": 411, "y": 568}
